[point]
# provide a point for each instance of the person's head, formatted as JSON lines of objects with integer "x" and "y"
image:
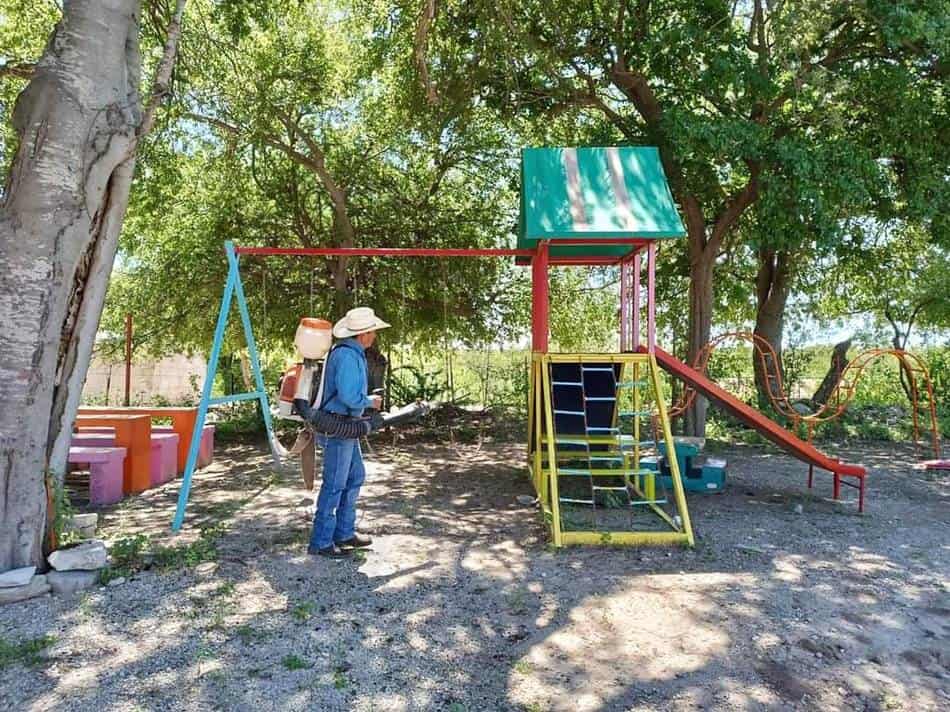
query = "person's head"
{"x": 362, "y": 324}
{"x": 366, "y": 339}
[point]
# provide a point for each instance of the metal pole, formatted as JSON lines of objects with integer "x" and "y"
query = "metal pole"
{"x": 216, "y": 345}
{"x": 128, "y": 358}
{"x": 252, "y": 352}
{"x": 651, "y": 296}
{"x": 539, "y": 299}
{"x": 381, "y": 252}
{"x": 635, "y": 326}
{"x": 624, "y": 305}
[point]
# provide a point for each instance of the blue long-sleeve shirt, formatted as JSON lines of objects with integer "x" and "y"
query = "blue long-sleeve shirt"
{"x": 345, "y": 385}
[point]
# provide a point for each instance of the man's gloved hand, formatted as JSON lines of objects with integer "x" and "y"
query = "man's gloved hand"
{"x": 302, "y": 406}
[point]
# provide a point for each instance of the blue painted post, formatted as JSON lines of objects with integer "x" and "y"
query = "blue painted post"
{"x": 255, "y": 362}
{"x": 233, "y": 279}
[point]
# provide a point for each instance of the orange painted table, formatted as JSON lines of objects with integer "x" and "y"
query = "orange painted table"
{"x": 183, "y": 423}
{"x": 134, "y": 433}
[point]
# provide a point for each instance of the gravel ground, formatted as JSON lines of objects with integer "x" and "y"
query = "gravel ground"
{"x": 461, "y": 606}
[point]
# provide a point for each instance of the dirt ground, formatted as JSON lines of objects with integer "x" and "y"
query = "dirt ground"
{"x": 462, "y": 606}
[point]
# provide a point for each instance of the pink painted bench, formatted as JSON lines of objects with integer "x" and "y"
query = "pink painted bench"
{"x": 93, "y": 440}
{"x": 205, "y": 448}
{"x": 163, "y": 459}
{"x": 167, "y": 466}
{"x": 105, "y": 471}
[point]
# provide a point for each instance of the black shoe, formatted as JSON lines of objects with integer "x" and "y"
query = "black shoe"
{"x": 331, "y": 552}
{"x": 355, "y": 542}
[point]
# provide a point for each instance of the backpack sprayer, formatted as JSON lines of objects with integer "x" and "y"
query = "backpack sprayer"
{"x": 313, "y": 340}
{"x": 301, "y": 389}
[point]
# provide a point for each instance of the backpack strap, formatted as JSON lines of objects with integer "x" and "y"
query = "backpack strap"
{"x": 323, "y": 397}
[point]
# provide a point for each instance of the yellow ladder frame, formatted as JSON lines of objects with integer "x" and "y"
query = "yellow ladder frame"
{"x": 541, "y": 434}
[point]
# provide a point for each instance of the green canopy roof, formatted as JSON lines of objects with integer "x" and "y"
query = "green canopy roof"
{"x": 595, "y": 194}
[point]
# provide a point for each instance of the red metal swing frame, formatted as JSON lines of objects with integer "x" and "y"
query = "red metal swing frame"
{"x": 541, "y": 261}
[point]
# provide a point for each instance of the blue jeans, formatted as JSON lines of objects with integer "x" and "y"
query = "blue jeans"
{"x": 343, "y": 474}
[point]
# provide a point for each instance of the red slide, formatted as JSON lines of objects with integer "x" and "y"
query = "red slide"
{"x": 769, "y": 428}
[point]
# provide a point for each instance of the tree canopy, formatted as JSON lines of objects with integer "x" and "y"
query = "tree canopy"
{"x": 787, "y": 130}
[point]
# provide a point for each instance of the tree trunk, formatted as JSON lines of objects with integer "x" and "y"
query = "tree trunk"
{"x": 702, "y": 262}
{"x": 839, "y": 360}
{"x": 772, "y": 289}
{"x": 60, "y": 218}
{"x": 376, "y": 368}
{"x": 899, "y": 342}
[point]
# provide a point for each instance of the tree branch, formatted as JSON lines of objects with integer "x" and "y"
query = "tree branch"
{"x": 592, "y": 99}
{"x": 161, "y": 84}
{"x": 314, "y": 162}
{"x": 421, "y": 48}
{"x": 619, "y": 44}
{"x": 317, "y": 163}
{"x": 837, "y": 51}
{"x": 20, "y": 70}
{"x": 735, "y": 207}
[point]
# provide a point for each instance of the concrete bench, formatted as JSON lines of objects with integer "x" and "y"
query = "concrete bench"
{"x": 205, "y": 448}
{"x": 166, "y": 466}
{"x": 183, "y": 422}
{"x": 134, "y": 433}
{"x": 105, "y": 471}
{"x": 86, "y": 439}
{"x": 163, "y": 459}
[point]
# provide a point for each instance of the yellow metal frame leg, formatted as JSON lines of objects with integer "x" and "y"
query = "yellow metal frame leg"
{"x": 678, "y": 492}
{"x": 552, "y": 488}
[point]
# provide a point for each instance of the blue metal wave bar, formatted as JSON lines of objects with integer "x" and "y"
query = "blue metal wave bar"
{"x": 232, "y": 287}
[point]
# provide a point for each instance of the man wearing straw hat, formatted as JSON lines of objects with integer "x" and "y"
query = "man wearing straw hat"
{"x": 345, "y": 393}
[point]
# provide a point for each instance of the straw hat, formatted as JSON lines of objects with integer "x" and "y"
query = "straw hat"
{"x": 358, "y": 321}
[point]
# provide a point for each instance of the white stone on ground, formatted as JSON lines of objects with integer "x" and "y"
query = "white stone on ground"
{"x": 17, "y": 577}
{"x": 36, "y": 587}
{"x": 87, "y": 556}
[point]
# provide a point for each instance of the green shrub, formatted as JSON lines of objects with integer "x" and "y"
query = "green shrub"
{"x": 294, "y": 662}
{"x": 131, "y": 554}
{"x": 25, "y": 652}
{"x": 62, "y": 511}
{"x": 408, "y": 383}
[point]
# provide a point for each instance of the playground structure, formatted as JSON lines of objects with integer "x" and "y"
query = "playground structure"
{"x": 596, "y": 206}
{"x": 589, "y": 414}
{"x": 919, "y": 386}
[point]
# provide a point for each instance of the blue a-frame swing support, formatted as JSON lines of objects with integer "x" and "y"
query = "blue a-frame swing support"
{"x": 232, "y": 288}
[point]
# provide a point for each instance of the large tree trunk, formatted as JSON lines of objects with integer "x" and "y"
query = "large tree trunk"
{"x": 701, "y": 265}
{"x": 772, "y": 290}
{"x": 60, "y": 218}
{"x": 839, "y": 361}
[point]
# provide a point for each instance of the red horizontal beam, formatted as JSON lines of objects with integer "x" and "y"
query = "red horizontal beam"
{"x": 381, "y": 252}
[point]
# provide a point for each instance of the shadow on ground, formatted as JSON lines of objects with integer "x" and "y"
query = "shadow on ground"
{"x": 462, "y": 606}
